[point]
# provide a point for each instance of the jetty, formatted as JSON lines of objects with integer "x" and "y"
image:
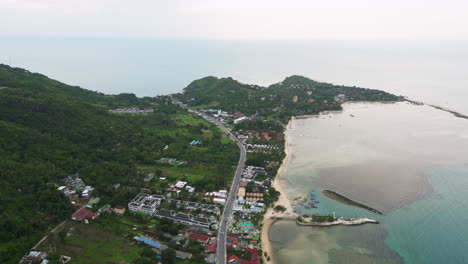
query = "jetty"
{"x": 357, "y": 221}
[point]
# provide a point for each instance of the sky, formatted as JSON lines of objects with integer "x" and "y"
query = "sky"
{"x": 238, "y": 19}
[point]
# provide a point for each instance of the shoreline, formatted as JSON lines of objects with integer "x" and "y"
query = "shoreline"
{"x": 270, "y": 216}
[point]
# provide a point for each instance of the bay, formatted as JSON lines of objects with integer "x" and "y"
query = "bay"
{"x": 405, "y": 160}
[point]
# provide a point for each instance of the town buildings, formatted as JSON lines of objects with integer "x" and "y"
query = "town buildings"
{"x": 145, "y": 204}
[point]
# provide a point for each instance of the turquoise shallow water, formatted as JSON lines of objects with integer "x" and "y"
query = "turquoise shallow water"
{"x": 412, "y": 165}
{"x": 436, "y": 230}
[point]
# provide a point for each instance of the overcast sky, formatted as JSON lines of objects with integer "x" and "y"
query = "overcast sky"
{"x": 238, "y": 19}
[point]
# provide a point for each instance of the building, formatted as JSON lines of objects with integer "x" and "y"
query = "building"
{"x": 240, "y": 119}
{"x": 93, "y": 202}
{"x": 180, "y": 184}
{"x": 210, "y": 248}
{"x": 83, "y": 214}
{"x": 219, "y": 201}
{"x": 203, "y": 239}
{"x": 35, "y": 257}
{"x": 241, "y": 193}
{"x": 148, "y": 241}
{"x": 119, "y": 209}
{"x": 186, "y": 219}
{"x": 183, "y": 255}
{"x": 145, "y": 204}
{"x": 105, "y": 208}
{"x": 233, "y": 259}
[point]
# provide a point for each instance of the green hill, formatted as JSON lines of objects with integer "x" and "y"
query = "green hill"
{"x": 49, "y": 130}
{"x": 295, "y": 95}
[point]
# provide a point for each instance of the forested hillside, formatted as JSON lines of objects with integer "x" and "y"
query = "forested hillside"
{"x": 49, "y": 130}
{"x": 296, "y": 95}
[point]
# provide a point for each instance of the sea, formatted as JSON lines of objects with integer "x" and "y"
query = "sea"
{"x": 408, "y": 161}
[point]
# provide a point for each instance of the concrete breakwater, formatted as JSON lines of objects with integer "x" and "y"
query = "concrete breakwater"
{"x": 357, "y": 221}
{"x": 343, "y": 199}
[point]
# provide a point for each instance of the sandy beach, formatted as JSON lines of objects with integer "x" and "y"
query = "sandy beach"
{"x": 270, "y": 216}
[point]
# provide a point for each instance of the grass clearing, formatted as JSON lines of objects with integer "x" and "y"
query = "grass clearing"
{"x": 194, "y": 172}
{"x": 90, "y": 244}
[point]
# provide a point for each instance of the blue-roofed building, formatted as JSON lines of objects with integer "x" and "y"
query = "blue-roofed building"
{"x": 148, "y": 241}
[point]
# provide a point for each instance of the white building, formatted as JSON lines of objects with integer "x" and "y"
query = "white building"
{"x": 180, "y": 184}
{"x": 219, "y": 201}
{"x": 240, "y": 119}
{"x": 145, "y": 203}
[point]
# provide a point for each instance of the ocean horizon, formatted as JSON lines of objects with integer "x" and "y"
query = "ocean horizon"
{"x": 432, "y": 72}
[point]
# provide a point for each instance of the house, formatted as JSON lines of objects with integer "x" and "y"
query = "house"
{"x": 190, "y": 189}
{"x": 248, "y": 262}
{"x": 219, "y": 201}
{"x": 183, "y": 255}
{"x": 93, "y": 202}
{"x": 83, "y": 214}
{"x": 180, "y": 184}
{"x": 295, "y": 98}
{"x": 203, "y": 239}
{"x": 148, "y": 177}
{"x": 119, "y": 209}
{"x": 241, "y": 193}
{"x": 105, "y": 208}
{"x": 210, "y": 248}
{"x": 253, "y": 254}
{"x": 238, "y": 114}
{"x": 35, "y": 257}
{"x": 211, "y": 258}
{"x": 233, "y": 259}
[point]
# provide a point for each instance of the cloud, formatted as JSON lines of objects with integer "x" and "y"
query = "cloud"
{"x": 240, "y": 19}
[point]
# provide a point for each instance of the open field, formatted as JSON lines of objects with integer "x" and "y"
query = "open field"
{"x": 90, "y": 244}
{"x": 194, "y": 172}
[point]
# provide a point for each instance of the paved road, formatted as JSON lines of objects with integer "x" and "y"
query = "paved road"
{"x": 227, "y": 213}
{"x": 221, "y": 249}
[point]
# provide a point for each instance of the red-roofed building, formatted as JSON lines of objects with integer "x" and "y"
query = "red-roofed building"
{"x": 295, "y": 99}
{"x": 233, "y": 240}
{"x": 251, "y": 250}
{"x": 254, "y": 256}
{"x": 83, "y": 214}
{"x": 229, "y": 247}
{"x": 210, "y": 248}
{"x": 248, "y": 262}
{"x": 233, "y": 259}
{"x": 238, "y": 114}
{"x": 199, "y": 237}
{"x": 119, "y": 209}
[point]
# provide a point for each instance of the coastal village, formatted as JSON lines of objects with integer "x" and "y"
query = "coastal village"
{"x": 175, "y": 220}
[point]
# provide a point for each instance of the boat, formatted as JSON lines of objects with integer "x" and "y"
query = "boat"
{"x": 307, "y": 207}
